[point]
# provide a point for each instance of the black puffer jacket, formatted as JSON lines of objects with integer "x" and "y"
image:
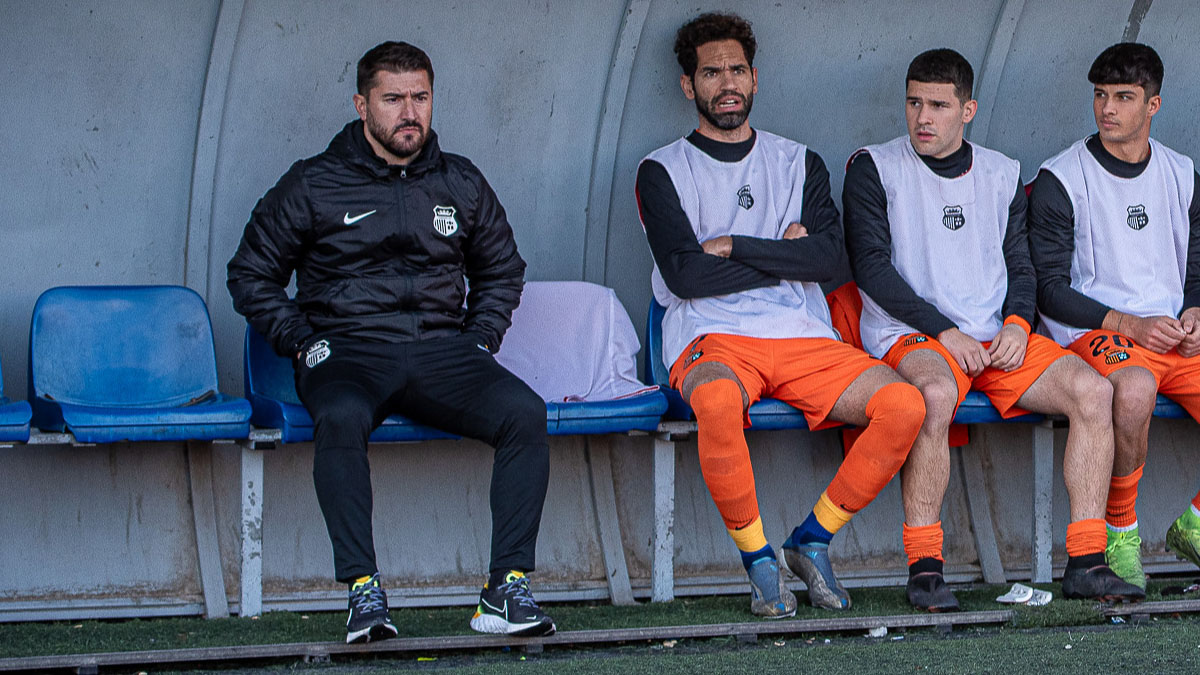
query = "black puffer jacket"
{"x": 380, "y": 252}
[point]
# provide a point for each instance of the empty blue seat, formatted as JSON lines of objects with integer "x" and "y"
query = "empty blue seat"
{"x": 14, "y": 417}
{"x": 112, "y": 363}
{"x": 1165, "y": 407}
{"x": 770, "y": 413}
{"x": 271, "y": 388}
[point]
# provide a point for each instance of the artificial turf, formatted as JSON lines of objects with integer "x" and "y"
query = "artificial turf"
{"x": 34, "y": 639}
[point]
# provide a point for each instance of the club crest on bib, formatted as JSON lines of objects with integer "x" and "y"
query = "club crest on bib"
{"x": 745, "y": 199}
{"x": 952, "y": 217}
{"x": 443, "y": 220}
{"x": 317, "y": 352}
{"x": 1137, "y": 217}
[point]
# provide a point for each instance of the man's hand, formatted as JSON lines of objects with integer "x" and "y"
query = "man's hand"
{"x": 970, "y": 356}
{"x": 795, "y": 231}
{"x": 1157, "y": 333}
{"x": 721, "y": 246}
{"x": 1008, "y": 348}
{"x": 1189, "y": 346}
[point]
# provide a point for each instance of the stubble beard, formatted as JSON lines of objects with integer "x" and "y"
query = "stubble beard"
{"x": 396, "y": 143}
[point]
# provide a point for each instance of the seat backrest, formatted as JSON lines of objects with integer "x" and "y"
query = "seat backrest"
{"x": 133, "y": 346}
{"x": 572, "y": 340}
{"x": 268, "y": 374}
{"x": 656, "y": 370}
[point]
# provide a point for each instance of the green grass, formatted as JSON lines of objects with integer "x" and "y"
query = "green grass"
{"x": 32, "y": 639}
{"x": 1159, "y": 646}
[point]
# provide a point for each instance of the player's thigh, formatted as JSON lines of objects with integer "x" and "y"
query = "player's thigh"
{"x": 714, "y": 357}
{"x": 1064, "y": 385}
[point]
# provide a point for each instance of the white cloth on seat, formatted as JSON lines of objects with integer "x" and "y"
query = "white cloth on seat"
{"x": 572, "y": 341}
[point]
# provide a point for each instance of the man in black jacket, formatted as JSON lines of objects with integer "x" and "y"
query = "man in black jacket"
{"x": 384, "y": 233}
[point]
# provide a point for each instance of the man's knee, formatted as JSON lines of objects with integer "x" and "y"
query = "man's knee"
{"x": 341, "y": 411}
{"x": 940, "y": 396}
{"x": 1134, "y": 393}
{"x": 1088, "y": 392}
{"x": 717, "y": 399}
{"x": 897, "y": 410}
{"x": 711, "y": 371}
{"x": 523, "y": 416}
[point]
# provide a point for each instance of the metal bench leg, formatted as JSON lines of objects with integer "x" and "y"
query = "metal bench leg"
{"x": 608, "y": 523}
{"x": 204, "y": 516}
{"x": 252, "y": 509}
{"x": 662, "y": 583}
{"x": 979, "y": 506}
{"x": 1043, "y": 499}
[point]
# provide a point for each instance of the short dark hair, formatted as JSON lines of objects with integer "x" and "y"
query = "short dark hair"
{"x": 943, "y": 66}
{"x": 1129, "y": 63}
{"x": 711, "y": 27}
{"x": 394, "y": 57}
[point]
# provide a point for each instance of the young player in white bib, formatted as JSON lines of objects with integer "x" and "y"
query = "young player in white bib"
{"x": 1115, "y": 236}
{"x": 936, "y": 233}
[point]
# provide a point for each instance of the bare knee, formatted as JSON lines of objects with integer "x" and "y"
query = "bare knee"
{"x": 1089, "y": 396}
{"x": 1133, "y": 399}
{"x": 941, "y": 398}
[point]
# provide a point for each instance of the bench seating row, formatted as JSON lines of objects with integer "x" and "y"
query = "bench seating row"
{"x": 137, "y": 363}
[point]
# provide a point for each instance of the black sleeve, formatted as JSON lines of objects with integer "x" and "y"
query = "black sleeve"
{"x": 687, "y": 270}
{"x": 1051, "y": 245}
{"x": 495, "y": 271}
{"x": 869, "y": 242}
{"x": 1191, "y": 283}
{"x": 818, "y": 256}
{"x": 1021, "y": 299}
{"x": 271, "y": 247}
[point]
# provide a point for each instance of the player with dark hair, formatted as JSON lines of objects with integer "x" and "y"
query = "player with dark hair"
{"x": 383, "y": 231}
{"x": 742, "y": 228}
{"x": 1114, "y": 226}
{"x": 935, "y": 228}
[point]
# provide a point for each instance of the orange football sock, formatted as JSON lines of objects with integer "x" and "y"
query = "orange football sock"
{"x": 896, "y": 413}
{"x": 1122, "y": 497}
{"x": 724, "y": 457}
{"x": 924, "y": 541}
{"x": 1085, "y": 537}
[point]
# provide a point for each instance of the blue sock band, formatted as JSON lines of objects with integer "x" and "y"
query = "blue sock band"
{"x": 809, "y": 532}
{"x": 752, "y": 557}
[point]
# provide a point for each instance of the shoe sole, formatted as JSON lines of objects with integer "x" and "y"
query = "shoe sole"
{"x": 371, "y": 634}
{"x": 494, "y": 625}
{"x": 819, "y": 593}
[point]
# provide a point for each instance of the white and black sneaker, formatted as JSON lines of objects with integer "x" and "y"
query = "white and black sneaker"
{"x": 510, "y": 609}
{"x": 368, "y": 620}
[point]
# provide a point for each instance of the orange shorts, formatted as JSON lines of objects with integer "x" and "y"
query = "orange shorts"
{"x": 809, "y": 374}
{"x": 1002, "y": 388}
{"x": 1109, "y": 352}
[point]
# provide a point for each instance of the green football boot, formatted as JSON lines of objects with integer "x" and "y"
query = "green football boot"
{"x": 1124, "y": 555}
{"x": 1183, "y": 538}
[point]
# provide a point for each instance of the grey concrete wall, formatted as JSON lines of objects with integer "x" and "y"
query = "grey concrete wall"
{"x": 137, "y": 136}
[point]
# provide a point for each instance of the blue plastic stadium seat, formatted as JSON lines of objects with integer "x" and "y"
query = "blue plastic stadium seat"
{"x": 113, "y": 363}
{"x": 1165, "y": 407}
{"x": 770, "y": 413}
{"x": 14, "y": 417}
{"x": 642, "y": 412}
{"x": 271, "y": 388}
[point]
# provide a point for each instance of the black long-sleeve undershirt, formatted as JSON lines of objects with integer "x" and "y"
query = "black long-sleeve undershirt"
{"x": 1052, "y": 243}
{"x": 754, "y": 262}
{"x": 869, "y": 242}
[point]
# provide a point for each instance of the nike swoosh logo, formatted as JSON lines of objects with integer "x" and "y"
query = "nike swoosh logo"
{"x": 503, "y": 611}
{"x": 350, "y": 221}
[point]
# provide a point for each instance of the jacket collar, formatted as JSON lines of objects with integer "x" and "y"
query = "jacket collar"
{"x": 350, "y": 144}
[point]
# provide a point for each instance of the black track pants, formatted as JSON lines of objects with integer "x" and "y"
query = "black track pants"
{"x": 448, "y": 383}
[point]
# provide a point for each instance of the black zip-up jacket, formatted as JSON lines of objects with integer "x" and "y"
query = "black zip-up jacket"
{"x": 381, "y": 253}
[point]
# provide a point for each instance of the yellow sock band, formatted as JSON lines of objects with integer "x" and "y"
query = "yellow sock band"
{"x": 829, "y": 515}
{"x": 750, "y": 538}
